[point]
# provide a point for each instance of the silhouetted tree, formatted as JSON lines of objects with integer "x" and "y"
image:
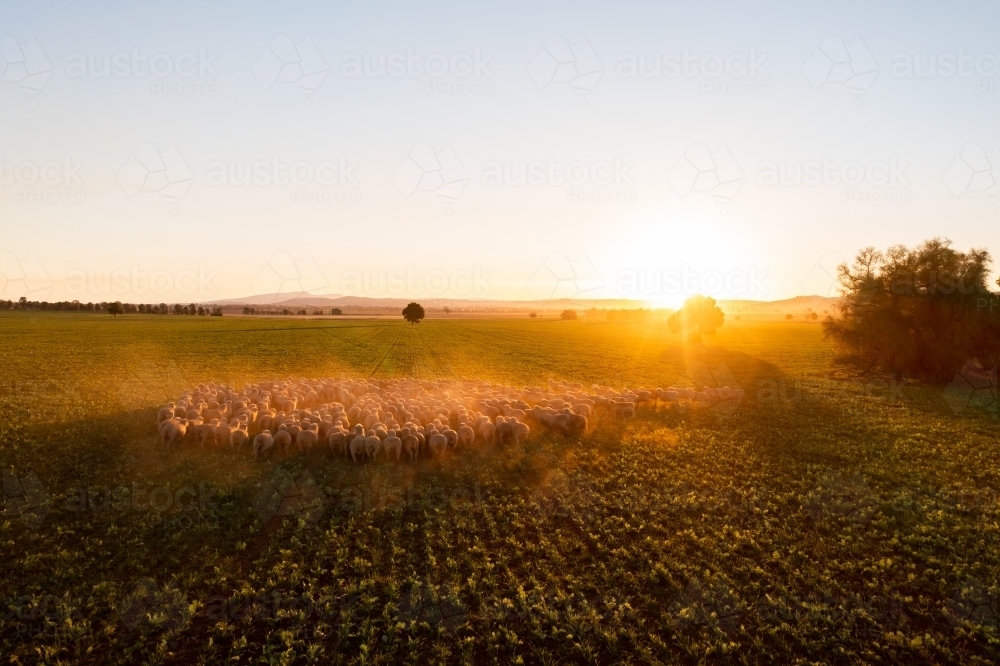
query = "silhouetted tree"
{"x": 116, "y": 308}
{"x": 568, "y": 314}
{"x": 413, "y": 313}
{"x": 699, "y": 316}
{"x": 923, "y": 311}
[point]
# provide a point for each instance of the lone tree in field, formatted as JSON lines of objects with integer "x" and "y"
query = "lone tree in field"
{"x": 924, "y": 311}
{"x": 413, "y": 313}
{"x": 568, "y": 315}
{"x": 116, "y": 308}
{"x": 699, "y": 316}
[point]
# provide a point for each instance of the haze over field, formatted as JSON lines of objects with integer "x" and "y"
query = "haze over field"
{"x": 499, "y": 333}
{"x": 502, "y": 152}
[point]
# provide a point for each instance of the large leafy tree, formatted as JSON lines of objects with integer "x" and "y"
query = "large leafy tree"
{"x": 923, "y": 311}
{"x": 699, "y": 316}
{"x": 413, "y": 313}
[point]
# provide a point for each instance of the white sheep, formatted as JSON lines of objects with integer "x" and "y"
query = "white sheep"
{"x": 308, "y": 438}
{"x": 239, "y": 437}
{"x": 393, "y": 444}
{"x": 262, "y": 443}
{"x": 283, "y": 438}
{"x": 165, "y": 413}
{"x": 487, "y": 430}
{"x": 466, "y": 435}
{"x": 172, "y": 431}
{"x": 437, "y": 443}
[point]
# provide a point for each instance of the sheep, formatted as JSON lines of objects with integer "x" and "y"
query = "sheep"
{"x": 172, "y": 431}
{"x": 437, "y": 443}
{"x": 206, "y": 433}
{"x": 393, "y": 444}
{"x": 337, "y": 439}
{"x": 239, "y": 437}
{"x": 504, "y": 431}
{"x": 308, "y": 438}
{"x": 520, "y": 431}
{"x": 466, "y": 435}
{"x": 372, "y": 445}
{"x": 283, "y": 438}
{"x": 410, "y": 444}
{"x": 626, "y": 409}
{"x": 487, "y": 430}
{"x": 165, "y": 413}
{"x": 262, "y": 443}
{"x": 356, "y": 446}
{"x": 404, "y": 416}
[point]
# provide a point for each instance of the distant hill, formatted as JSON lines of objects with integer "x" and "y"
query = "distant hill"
{"x": 304, "y": 300}
{"x": 301, "y": 298}
{"x": 797, "y": 304}
{"x": 307, "y": 300}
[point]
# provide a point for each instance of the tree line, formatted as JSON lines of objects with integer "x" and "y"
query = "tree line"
{"x": 112, "y": 308}
{"x": 247, "y": 310}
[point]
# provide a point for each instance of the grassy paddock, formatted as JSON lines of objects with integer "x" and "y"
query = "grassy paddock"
{"x": 825, "y": 519}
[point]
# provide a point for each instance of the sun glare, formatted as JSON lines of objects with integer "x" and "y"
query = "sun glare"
{"x": 664, "y": 263}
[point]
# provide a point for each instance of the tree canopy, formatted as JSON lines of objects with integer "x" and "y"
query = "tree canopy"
{"x": 923, "y": 311}
{"x": 698, "y": 316}
{"x": 413, "y": 313}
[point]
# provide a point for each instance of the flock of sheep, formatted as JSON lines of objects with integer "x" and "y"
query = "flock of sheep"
{"x": 398, "y": 418}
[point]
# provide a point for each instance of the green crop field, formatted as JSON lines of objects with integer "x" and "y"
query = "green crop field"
{"x": 824, "y": 519}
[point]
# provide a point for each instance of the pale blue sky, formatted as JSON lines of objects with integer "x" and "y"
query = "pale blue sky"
{"x": 654, "y": 218}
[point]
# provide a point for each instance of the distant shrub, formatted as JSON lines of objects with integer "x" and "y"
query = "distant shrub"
{"x": 568, "y": 314}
